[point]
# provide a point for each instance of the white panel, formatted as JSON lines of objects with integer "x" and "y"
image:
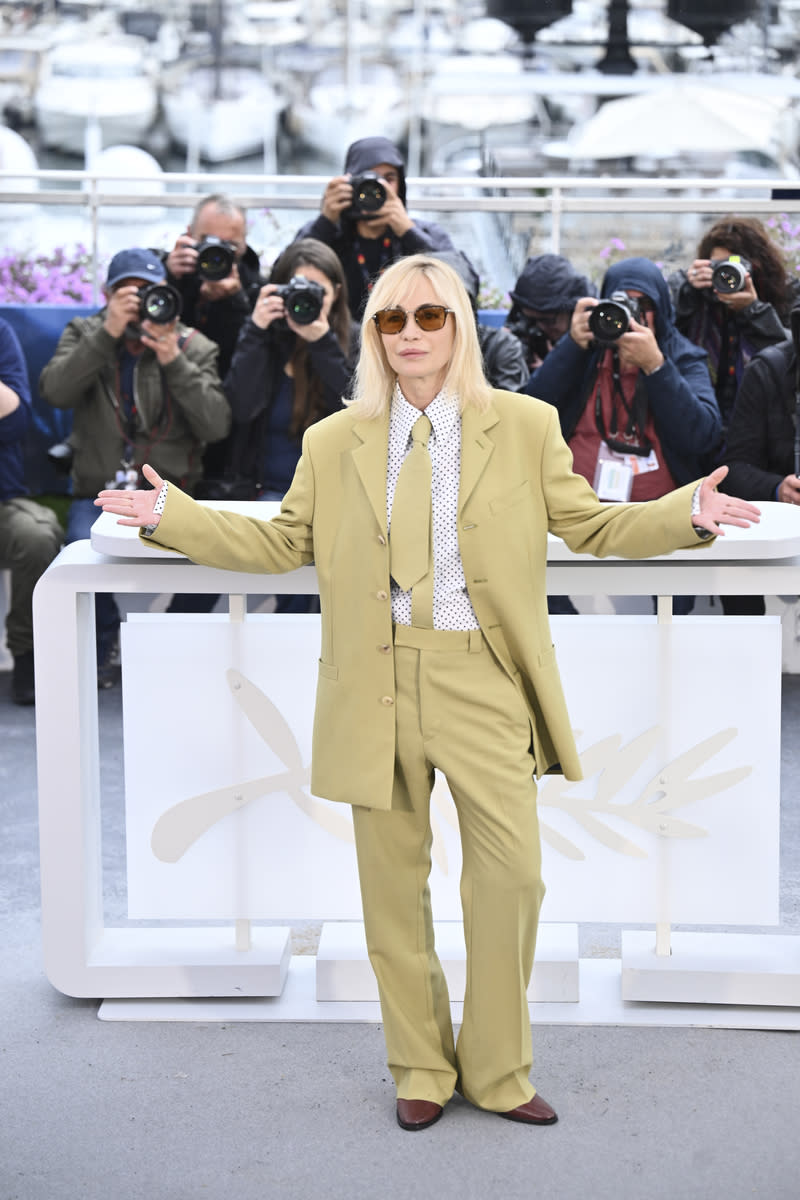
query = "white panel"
{"x": 649, "y": 702}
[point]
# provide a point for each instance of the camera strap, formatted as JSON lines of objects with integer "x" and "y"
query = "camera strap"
{"x": 633, "y": 440}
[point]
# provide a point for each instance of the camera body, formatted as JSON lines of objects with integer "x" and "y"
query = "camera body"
{"x": 609, "y": 319}
{"x": 159, "y": 303}
{"x": 730, "y": 274}
{"x": 369, "y": 194}
{"x": 534, "y": 339}
{"x": 216, "y": 258}
{"x": 302, "y": 298}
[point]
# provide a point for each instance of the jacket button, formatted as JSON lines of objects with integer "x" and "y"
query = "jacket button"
{"x": 382, "y": 595}
{"x": 387, "y": 701}
{"x": 385, "y": 649}
{"x": 381, "y": 539}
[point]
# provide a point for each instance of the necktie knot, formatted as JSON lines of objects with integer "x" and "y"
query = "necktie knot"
{"x": 421, "y": 430}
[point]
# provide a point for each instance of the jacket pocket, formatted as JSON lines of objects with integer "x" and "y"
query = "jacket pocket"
{"x": 517, "y": 494}
{"x": 327, "y": 670}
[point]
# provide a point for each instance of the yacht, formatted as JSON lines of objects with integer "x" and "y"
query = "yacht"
{"x": 219, "y": 112}
{"x": 106, "y": 83}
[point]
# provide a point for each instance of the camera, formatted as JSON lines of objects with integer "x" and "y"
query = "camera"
{"x": 302, "y": 298}
{"x": 730, "y": 274}
{"x": 216, "y": 258}
{"x": 369, "y": 194}
{"x": 533, "y": 337}
{"x": 609, "y": 319}
{"x": 159, "y": 303}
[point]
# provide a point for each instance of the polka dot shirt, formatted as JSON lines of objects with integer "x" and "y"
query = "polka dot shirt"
{"x": 451, "y": 604}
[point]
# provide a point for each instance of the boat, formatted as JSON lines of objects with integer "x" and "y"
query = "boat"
{"x": 107, "y": 82}
{"x": 219, "y": 112}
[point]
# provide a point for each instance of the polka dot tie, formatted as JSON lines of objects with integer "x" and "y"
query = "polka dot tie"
{"x": 410, "y": 540}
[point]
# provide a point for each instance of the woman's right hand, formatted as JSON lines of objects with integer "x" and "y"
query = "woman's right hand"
{"x": 134, "y": 507}
{"x": 269, "y": 307}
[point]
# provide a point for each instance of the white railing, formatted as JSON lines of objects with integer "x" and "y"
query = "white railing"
{"x": 552, "y": 198}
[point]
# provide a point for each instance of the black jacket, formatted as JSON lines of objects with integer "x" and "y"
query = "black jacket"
{"x": 255, "y": 376}
{"x": 760, "y": 450}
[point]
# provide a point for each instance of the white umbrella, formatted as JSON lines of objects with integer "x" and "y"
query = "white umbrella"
{"x": 678, "y": 118}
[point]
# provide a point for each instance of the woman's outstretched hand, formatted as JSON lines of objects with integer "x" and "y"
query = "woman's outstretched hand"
{"x": 134, "y": 507}
{"x": 717, "y": 509}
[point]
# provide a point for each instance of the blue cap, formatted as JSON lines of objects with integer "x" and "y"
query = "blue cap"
{"x": 135, "y": 264}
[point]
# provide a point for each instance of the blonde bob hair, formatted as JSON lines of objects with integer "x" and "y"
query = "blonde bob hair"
{"x": 374, "y": 380}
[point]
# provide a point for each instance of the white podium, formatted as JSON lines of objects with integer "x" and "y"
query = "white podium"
{"x": 173, "y": 958}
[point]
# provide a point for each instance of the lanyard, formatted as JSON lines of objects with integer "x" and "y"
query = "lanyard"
{"x": 633, "y": 440}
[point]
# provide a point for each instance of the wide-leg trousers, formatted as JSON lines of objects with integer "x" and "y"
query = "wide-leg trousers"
{"x": 457, "y": 710}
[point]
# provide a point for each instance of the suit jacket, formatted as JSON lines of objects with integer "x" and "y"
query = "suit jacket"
{"x": 516, "y": 483}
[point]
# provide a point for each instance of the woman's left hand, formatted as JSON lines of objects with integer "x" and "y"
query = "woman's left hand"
{"x": 717, "y": 509}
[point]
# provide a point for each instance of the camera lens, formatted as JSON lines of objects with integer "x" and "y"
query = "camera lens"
{"x": 728, "y": 276}
{"x": 303, "y": 299}
{"x": 609, "y": 319}
{"x": 369, "y": 193}
{"x": 160, "y": 303}
{"x": 215, "y": 259}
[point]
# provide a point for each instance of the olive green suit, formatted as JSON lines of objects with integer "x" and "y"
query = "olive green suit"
{"x": 370, "y": 750}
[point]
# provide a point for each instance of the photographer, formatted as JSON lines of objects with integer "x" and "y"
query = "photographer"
{"x": 368, "y": 227}
{"x": 542, "y": 303}
{"x": 141, "y": 389}
{"x": 30, "y": 535}
{"x": 636, "y": 403}
{"x": 733, "y": 318}
{"x": 217, "y": 288}
{"x": 292, "y": 367}
{"x": 763, "y": 447}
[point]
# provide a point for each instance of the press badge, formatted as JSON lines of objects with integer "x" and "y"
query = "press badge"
{"x": 615, "y": 473}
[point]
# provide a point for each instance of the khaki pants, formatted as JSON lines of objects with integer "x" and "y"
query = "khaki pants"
{"x": 30, "y": 538}
{"x": 457, "y": 710}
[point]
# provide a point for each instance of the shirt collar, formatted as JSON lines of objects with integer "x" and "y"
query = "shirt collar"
{"x": 442, "y": 412}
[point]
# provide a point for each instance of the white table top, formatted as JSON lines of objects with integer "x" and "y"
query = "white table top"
{"x": 777, "y": 536}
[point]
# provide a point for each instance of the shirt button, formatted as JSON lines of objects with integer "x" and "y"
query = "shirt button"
{"x": 385, "y": 649}
{"x": 387, "y": 701}
{"x": 381, "y": 539}
{"x": 381, "y": 595}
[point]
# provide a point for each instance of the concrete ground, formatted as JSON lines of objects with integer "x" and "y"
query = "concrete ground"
{"x": 178, "y": 1111}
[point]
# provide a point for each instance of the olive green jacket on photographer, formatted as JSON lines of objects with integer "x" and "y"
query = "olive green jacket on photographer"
{"x": 179, "y": 407}
{"x": 516, "y": 483}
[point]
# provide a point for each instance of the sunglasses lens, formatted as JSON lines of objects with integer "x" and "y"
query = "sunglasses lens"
{"x": 390, "y": 320}
{"x": 432, "y": 316}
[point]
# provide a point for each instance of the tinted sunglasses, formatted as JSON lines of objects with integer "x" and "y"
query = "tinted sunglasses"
{"x": 429, "y": 317}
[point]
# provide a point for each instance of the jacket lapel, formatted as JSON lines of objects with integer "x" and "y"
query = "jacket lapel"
{"x": 370, "y": 459}
{"x": 476, "y": 449}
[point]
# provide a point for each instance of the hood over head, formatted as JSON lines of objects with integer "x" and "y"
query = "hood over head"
{"x": 550, "y": 283}
{"x": 369, "y": 152}
{"x": 642, "y": 275}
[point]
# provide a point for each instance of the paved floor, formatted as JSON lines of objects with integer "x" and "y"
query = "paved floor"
{"x": 173, "y": 1111}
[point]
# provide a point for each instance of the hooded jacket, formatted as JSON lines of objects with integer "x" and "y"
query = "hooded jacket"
{"x": 341, "y": 236}
{"x": 549, "y": 283}
{"x": 679, "y": 395}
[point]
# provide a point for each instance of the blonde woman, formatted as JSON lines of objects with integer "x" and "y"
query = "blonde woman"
{"x": 449, "y": 667}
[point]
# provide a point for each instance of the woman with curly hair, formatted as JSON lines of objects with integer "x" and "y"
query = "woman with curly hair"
{"x": 732, "y": 326}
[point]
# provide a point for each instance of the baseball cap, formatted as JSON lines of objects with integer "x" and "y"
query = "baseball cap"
{"x": 135, "y": 264}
